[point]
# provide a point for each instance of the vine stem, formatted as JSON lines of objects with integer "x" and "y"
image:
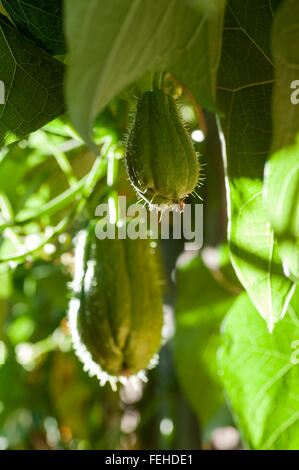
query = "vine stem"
{"x": 200, "y": 117}
{"x": 150, "y": 82}
{"x": 157, "y": 81}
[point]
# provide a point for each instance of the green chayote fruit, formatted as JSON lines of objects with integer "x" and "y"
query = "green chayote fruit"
{"x": 160, "y": 158}
{"x": 116, "y": 317}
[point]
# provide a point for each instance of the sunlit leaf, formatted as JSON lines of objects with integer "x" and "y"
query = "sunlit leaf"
{"x": 260, "y": 373}
{"x": 245, "y": 87}
{"x": 282, "y": 170}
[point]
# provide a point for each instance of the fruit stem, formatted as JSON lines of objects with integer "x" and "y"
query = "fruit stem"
{"x": 150, "y": 82}
{"x": 157, "y": 82}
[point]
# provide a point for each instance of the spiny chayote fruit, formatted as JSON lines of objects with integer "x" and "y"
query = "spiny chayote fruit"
{"x": 161, "y": 161}
{"x": 116, "y": 316}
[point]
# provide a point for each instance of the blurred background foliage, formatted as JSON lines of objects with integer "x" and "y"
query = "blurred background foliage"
{"x": 50, "y": 185}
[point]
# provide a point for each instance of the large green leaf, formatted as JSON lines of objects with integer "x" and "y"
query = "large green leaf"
{"x": 282, "y": 170}
{"x": 112, "y": 43}
{"x": 245, "y": 86}
{"x": 260, "y": 373}
{"x": 40, "y": 20}
{"x": 33, "y": 85}
{"x": 204, "y": 297}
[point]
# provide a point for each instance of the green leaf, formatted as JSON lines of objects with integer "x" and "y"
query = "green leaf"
{"x": 245, "y": 87}
{"x": 203, "y": 298}
{"x": 114, "y": 43}
{"x": 33, "y": 85}
{"x": 260, "y": 373}
{"x": 39, "y": 20}
{"x": 282, "y": 170}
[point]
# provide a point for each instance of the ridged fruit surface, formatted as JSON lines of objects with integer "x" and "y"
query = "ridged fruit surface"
{"x": 161, "y": 161}
{"x": 120, "y": 316}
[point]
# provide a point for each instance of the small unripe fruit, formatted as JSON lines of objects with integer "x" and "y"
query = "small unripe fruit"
{"x": 161, "y": 161}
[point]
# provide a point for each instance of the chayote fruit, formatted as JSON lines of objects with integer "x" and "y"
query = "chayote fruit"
{"x": 160, "y": 158}
{"x": 116, "y": 316}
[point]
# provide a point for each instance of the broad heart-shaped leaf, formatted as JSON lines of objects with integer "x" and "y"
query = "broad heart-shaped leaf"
{"x": 282, "y": 169}
{"x": 203, "y": 298}
{"x": 245, "y": 85}
{"x": 33, "y": 85}
{"x": 112, "y": 43}
{"x": 40, "y": 20}
{"x": 261, "y": 375}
